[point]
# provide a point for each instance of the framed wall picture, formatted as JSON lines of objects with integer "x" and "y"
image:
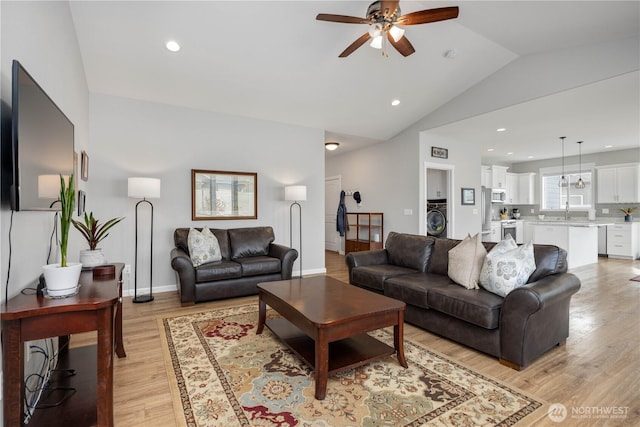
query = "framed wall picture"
{"x": 223, "y": 195}
{"x": 75, "y": 170}
{"x": 84, "y": 167}
{"x": 441, "y": 153}
{"x": 468, "y": 196}
{"x": 82, "y": 196}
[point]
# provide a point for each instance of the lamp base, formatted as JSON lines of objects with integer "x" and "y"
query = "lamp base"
{"x": 143, "y": 298}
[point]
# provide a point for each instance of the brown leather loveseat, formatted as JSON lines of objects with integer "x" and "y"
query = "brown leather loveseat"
{"x": 249, "y": 257}
{"x": 517, "y": 329}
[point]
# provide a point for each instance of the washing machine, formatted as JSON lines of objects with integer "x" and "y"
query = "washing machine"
{"x": 437, "y": 217}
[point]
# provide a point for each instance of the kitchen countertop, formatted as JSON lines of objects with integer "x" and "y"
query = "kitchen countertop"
{"x": 577, "y": 222}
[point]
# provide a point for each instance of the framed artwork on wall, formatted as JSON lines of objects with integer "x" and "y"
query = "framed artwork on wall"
{"x": 82, "y": 196}
{"x": 75, "y": 170}
{"x": 223, "y": 195}
{"x": 441, "y": 153}
{"x": 84, "y": 173}
{"x": 468, "y": 196}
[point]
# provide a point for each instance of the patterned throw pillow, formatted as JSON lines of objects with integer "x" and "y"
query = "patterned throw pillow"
{"x": 203, "y": 247}
{"x": 506, "y": 269}
{"x": 465, "y": 261}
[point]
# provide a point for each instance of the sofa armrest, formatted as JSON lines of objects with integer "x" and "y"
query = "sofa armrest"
{"x": 286, "y": 255}
{"x": 181, "y": 263}
{"x": 535, "y": 318}
{"x": 372, "y": 257}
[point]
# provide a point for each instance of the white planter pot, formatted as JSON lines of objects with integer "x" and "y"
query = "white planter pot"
{"x": 62, "y": 281}
{"x": 91, "y": 258}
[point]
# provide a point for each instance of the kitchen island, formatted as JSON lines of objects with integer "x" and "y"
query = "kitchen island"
{"x": 578, "y": 237}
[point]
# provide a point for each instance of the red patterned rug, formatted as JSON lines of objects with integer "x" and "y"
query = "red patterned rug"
{"x": 223, "y": 374}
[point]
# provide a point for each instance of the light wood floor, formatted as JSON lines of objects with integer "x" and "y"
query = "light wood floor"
{"x": 597, "y": 369}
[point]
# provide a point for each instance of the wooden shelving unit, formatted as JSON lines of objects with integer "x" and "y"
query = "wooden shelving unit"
{"x": 365, "y": 231}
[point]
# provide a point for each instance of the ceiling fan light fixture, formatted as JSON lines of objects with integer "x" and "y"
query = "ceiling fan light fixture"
{"x": 331, "y": 145}
{"x": 396, "y": 33}
{"x": 375, "y": 30}
{"x": 376, "y": 43}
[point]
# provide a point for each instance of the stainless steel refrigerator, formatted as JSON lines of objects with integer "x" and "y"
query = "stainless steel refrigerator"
{"x": 485, "y": 205}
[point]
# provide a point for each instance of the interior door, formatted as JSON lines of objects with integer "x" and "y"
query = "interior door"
{"x": 332, "y": 187}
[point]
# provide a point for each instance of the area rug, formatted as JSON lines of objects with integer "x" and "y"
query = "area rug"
{"x": 223, "y": 374}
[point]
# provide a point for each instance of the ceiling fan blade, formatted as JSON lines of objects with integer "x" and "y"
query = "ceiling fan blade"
{"x": 387, "y": 8}
{"x": 403, "y": 45}
{"x": 356, "y": 44}
{"x": 429, "y": 15}
{"x": 340, "y": 18}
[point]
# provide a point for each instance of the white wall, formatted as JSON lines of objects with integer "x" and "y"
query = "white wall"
{"x": 137, "y": 138}
{"x": 42, "y": 37}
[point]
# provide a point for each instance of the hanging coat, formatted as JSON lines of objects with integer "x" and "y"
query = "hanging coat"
{"x": 341, "y": 220}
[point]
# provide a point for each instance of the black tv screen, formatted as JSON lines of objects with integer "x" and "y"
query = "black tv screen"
{"x": 42, "y": 145}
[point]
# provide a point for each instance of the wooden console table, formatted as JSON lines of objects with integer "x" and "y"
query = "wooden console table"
{"x": 97, "y": 306}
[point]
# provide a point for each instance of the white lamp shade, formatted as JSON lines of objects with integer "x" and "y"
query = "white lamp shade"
{"x": 295, "y": 193}
{"x": 144, "y": 188}
{"x": 49, "y": 186}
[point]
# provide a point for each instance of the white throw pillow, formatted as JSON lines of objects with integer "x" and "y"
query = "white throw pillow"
{"x": 203, "y": 247}
{"x": 504, "y": 271}
{"x": 465, "y": 261}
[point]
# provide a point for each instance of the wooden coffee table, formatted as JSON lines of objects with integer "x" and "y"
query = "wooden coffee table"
{"x": 324, "y": 322}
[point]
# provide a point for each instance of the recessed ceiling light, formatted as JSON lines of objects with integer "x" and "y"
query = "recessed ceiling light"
{"x": 509, "y": 153}
{"x": 395, "y": 102}
{"x": 332, "y": 145}
{"x": 529, "y": 157}
{"x": 491, "y": 149}
{"x": 173, "y": 46}
{"x": 608, "y": 146}
{"x": 501, "y": 129}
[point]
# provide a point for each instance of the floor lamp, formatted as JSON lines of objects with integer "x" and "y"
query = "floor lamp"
{"x": 295, "y": 193}
{"x": 143, "y": 188}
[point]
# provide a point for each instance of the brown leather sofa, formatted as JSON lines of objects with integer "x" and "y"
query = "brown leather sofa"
{"x": 517, "y": 329}
{"x": 249, "y": 257}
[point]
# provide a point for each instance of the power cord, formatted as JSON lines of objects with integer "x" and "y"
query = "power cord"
{"x": 6, "y": 286}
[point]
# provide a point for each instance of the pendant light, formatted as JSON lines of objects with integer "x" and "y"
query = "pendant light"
{"x": 580, "y": 183}
{"x": 563, "y": 180}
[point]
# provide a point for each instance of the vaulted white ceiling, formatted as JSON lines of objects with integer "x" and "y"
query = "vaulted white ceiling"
{"x": 272, "y": 60}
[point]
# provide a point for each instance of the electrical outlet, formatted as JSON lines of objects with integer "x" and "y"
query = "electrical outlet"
{"x": 533, "y": 211}
{"x": 408, "y": 211}
{"x": 605, "y": 210}
{"x": 126, "y": 269}
{"x": 475, "y": 211}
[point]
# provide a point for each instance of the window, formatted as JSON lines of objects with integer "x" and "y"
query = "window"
{"x": 554, "y": 197}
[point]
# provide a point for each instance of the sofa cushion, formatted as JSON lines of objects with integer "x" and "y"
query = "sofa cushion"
{"x": 373, "y": 276}
{"x": 549, "y": 260}
{"x": 465, "y": 262}
{"x": 475, "y": 306}
{"x": 181, "y": 236}
{"x": 413, "y": 288}
{"x": 259, "y": 265}
{"x": 502, "y": 272}
{"x": 409, "y": 250}
{"x": 251, "y": 241}
{"x": 218, "y": 271}
{"x": 203, "y": 247}
{"x": 439, "y": 261}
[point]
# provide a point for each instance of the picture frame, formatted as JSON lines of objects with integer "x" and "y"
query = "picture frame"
{"x": 223, "y": 195}
{"x": 84, "y": 166}
{"x": 441, "y": 153}
{"x": 82, "y": 196}
{"x": 75, "y": 170}
{"x": 468, "y": 196}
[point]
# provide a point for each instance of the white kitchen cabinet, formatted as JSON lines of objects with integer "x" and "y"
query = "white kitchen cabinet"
{"x": 485, "y": 177}
{"x": 499, "y": 176}
{"x": 580, "y": 242}
{"x": 619, "y": 184}
{"x": 526, "y": 189}
{"x": 622, "y": 240}
{"x": 512, "y": 188}
{"x": 496, "y": 233}
{"x": 528, "y": 231}
{"x": 436, "y": 184}
{"x": 519, "y": 232}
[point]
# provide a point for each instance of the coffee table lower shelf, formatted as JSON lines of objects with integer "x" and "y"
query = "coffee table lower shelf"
{"x": 344, "y": 354}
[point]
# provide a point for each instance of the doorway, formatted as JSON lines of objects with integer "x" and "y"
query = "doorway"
{"x": 437, "y": 212}
{"x": 332, "y": 188}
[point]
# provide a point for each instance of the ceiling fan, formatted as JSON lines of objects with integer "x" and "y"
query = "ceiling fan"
{"x": 383, "y": 18}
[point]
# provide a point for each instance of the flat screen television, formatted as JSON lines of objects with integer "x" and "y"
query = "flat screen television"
{"x": 42, "y": 145}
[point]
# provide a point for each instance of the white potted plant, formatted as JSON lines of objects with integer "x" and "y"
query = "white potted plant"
{"x": 62, "y": 279}
{"x": 94, "y": 233}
